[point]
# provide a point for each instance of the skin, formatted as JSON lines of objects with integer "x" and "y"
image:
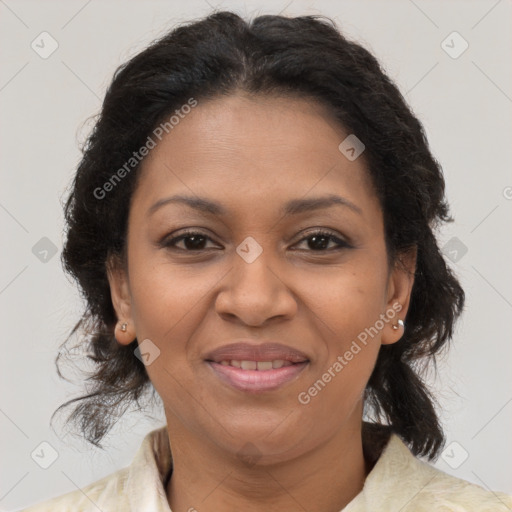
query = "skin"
{"x": 253, "y": 154}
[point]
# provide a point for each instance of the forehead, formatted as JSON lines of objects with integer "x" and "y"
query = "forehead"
{"x": 253, "y": 148}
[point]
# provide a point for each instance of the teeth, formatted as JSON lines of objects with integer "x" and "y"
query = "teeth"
{"x": 257, "y": 365}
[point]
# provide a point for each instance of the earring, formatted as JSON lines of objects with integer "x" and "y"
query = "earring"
{"x": 124, "y": 327}
{"x": 398, "y": 325}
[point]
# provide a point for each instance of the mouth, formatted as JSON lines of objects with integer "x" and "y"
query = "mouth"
{"x": 257, "y": 365}
{"x": 256, "y": 368}
{"x": 257, "y": 381}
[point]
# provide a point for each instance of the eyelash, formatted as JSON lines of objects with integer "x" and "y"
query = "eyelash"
{"x": 171, "y": 244}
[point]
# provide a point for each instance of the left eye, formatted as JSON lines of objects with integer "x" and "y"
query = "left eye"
{"x": 194, "y": 241}
{"x": 321, "y": 240}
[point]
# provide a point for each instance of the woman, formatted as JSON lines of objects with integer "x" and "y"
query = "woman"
{"x": 252, "y": 225}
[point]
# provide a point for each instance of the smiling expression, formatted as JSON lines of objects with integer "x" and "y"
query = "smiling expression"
{"x": 249, "y": 224}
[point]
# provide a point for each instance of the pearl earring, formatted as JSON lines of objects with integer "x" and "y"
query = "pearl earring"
{"x": 397, "y": 325}
{"x": 124, "y": 326}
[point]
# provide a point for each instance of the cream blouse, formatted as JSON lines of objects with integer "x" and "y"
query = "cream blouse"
{"x": 398, "y": 482}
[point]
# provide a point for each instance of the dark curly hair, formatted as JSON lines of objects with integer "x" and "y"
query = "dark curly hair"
{"x": 304, "y": 56}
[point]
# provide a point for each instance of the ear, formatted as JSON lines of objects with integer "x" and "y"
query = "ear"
{"x": 121, "y": 299}
{"x": 400, "y": 284}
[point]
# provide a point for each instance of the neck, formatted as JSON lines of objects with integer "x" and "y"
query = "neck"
{"x": 325, "y": 478}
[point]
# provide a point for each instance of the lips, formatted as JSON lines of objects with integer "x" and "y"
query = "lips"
{"x": 246, "y": 354}
{"x": 256, "y": 381}
{"x": 256, "y": 368}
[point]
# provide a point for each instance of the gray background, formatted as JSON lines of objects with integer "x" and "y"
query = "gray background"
{"x": 465, "y": 104}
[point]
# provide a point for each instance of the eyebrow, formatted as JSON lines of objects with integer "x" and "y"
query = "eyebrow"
{"x": 293, "y": 207}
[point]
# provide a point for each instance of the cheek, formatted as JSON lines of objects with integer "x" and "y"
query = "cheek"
{"x": 168, "y": 306}
{"x": 348, "y": 299}
{"x": 347, "y": 308}
{"x": 165, "y": 296}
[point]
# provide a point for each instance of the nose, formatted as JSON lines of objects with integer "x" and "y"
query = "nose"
{"x": 255, "y": 291}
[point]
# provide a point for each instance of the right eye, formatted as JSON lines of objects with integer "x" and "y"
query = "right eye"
{"x": 194, "y": 241}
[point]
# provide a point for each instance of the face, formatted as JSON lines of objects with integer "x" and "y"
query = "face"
{"x": 270, "y": 266}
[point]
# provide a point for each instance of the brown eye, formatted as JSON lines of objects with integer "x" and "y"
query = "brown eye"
{"x": 318, "y": 241}
{"x": 192, "y": 241}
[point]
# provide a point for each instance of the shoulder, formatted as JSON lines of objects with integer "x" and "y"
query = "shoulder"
{"x": 106, "y": 494}
{"x": 445, "y": 492}
{"x": 448, "y": 492}
{"x": 136, "y": 487}
{"x": 411, "y": 485}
